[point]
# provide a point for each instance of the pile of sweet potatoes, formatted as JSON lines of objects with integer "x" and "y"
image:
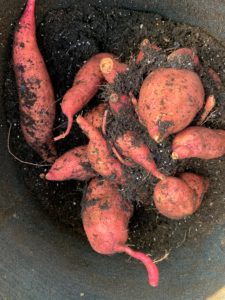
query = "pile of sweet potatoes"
{"x": 168, "y": 101}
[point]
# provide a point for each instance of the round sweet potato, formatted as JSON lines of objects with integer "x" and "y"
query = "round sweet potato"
{"x": 174, "y": 198}
{"x": 169, "y": 99}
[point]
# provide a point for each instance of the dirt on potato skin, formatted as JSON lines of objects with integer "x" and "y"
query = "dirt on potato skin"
{"x": 69, "y": 37}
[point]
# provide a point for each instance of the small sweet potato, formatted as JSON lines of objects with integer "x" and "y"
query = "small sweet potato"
{"x": 85, "y": 86}
{"x": 105, "y": 216}
{"x": 197, "y": 183}
{"x": 73, "y": 164}
{"x": 145, "y": 44}
{"x": 200, "y": 142}
{"x": 174, "y": 198}
{"x": 132, "y": 146}
{"x": 99, "y": 153}
{"x": 180, "y": 53}
{"x": 168, "y": 101}
{"x": 36, "y": 96}
{"x": 96, "y": 115}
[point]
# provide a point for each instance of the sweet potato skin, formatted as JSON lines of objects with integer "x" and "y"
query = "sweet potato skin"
{"x": 174, "y": 198}
{"x": 168, "y": 101}
{"x": 132, "y": 146}
{"x": 198, "y": 184}
{"x": 99, "y": 154}
{"x": 200, "y": 142}
{"x": 86, "y": 84}
{"x": 179, "y": 53}
{"x": 95, "y": 116}
{"x": 73, "y": 164}
{"x": 105, "y": 216}
{"x": 36, "y": 96}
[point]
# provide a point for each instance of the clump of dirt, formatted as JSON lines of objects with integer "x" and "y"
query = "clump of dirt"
{"x": 67, "y": 38}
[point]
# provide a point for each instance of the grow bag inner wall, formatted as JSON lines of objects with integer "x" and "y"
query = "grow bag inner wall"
{"x": 41, "y": 260}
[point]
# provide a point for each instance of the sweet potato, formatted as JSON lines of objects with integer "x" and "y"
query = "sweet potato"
{"x": 73, "y": 164}
{"x": 132, "y": 146}
{"x": 168, "y": 101}
{"x": 111, "y": 67}
{"x": 105, "y": 216}
{"x": 99, "y": 153}
{"x": 174, "y": 198}
{"x": 85, "y": 86}
{"x": 215, "y": 77}
{"x": 96, "y": 115}
{"x": 200, "y": 142}
{"x": 144, "y": 44}
{"x": 182, "y": 52}
{"x": 118, "y": 103}
{"x": 208, "y": 107}
{"x": 197, "y": 183}
{"x": 36, "y": 96}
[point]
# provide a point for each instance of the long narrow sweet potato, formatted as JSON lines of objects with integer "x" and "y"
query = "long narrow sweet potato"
{"x": 36, "y": 96}
{"x": 132, "y": 146}
{"x": 99, "y": 153}
{"x": 73, "y": 164}
{"x": 110, "y": 68}
{"x": 85, "y": 86}
{"x": 177, "y": 198}
{"x": 105, "y": 216}
{"x": 200, "y": 142}
{"x": 168, "y": 101}
{"x": 96, "y": 115}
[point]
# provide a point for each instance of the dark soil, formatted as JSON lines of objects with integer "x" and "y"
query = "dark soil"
{"x": 69, "y": 37}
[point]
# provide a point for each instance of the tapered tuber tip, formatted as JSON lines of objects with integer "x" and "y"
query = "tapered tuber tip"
{"x": 69, "y": 126}
{"x": 174, "y": 155}
{"x": 106, "y": 65}
{"x": 50, "y": 175}
{"x": 157, "y": 138}
{"x": 153, "y": 272}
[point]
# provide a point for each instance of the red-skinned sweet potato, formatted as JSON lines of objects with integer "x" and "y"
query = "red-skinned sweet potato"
{"x": 215, "y": 77}
{"x": 177, "y": 198}
{"x": 73, "y": 164}
{"x": 131, "y": 145}
{"x": 110, "y": 68}
{"x": 182, "y": 52}
{"x": 168, "y": 101}
{"x": 99, "y": 153}
{"x": 200, "y": 142}
{"x": 105, "y": 216}
{"x": 174, "y": 198}
{"x": 96, "y": 115}
{"x": 119, "y": 102}
{"x": 144, "y": 44}
{"x": 197, "y": 183}
{"x": 85, "y": 86}
{"x": 36, "y": 96}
